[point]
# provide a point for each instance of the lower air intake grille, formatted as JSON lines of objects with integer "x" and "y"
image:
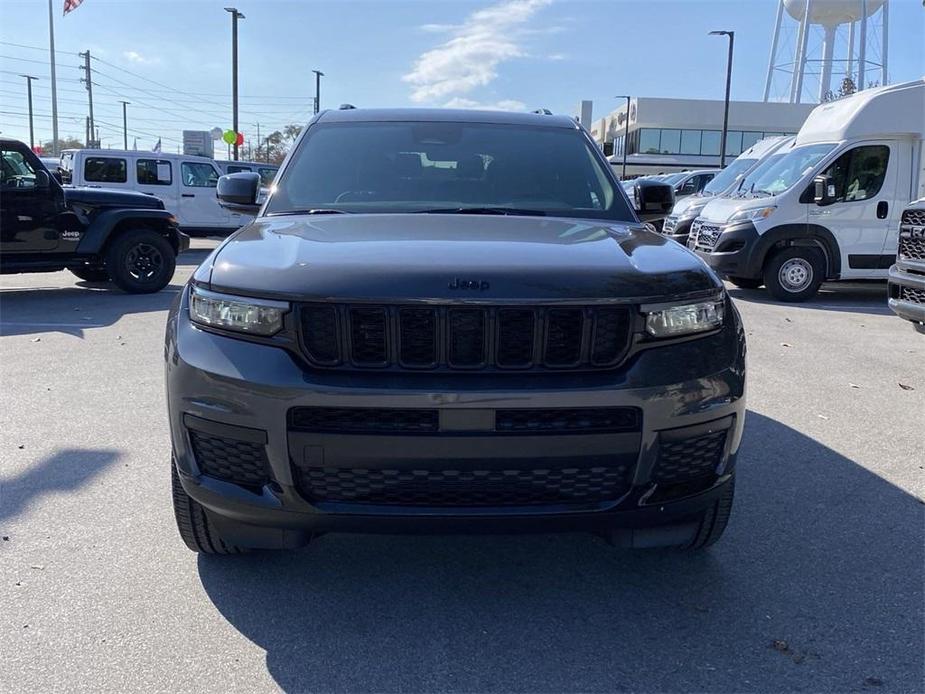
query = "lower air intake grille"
{"x": 916, "y": 296}
{"x": 687, "y": 459}
{"x": 463, "y": 487}
{"x": 601, "y": 420}
{"x": 372, "y": 420}
{"x": 241, "y": 462}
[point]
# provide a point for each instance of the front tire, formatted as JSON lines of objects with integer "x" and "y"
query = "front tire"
{"x": 714, "y": 520}
{"x": 193, "y": 522}
{"x": 141, "y": 261}
{"x": 794, "y": 274}
{"x": 89, "y": 273}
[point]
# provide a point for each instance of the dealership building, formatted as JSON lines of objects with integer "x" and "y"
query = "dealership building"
{"x": 668, "y": 135}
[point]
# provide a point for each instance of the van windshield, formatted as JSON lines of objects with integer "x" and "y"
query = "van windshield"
{"x": 727, "y": 176}
{"x": 427, "y": 166}
{"x": 789, "y": 170}
{"x": 751, "y": 180}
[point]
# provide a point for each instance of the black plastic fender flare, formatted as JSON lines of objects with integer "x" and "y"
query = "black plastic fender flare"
{"x": 813, "y": 235}
{"x": 101, "y": 228}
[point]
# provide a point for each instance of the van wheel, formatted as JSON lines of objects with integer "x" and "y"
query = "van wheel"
{"x": 193, "y": 523}
{"x": 745, "y": 282}
{"x": 89, "y": 273}
{"x": 795, "y": 273}
{"x": 140, "y": 261}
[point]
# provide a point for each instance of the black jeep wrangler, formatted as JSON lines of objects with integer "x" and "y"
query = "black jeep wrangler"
{"x": 97, "y": 234}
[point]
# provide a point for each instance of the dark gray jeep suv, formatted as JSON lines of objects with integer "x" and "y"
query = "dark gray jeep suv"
{"x": 450, "y": 321}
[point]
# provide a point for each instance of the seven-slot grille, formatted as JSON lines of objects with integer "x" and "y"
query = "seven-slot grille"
{"x": 465, "y": 337}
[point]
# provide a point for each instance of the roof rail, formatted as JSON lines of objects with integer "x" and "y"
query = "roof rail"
{"x": 543, "y": 111}
{"x": 346, "y": 107}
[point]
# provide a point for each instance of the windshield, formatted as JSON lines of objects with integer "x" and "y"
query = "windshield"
{"x": 727, "y": 176}
{"x": 420, "y": 166}
{"x": 745, "y": 185}
{"x": 673, "y": 178}
{"x": 788, "y": 170}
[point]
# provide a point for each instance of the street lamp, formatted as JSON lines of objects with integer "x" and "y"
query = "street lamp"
{"x": 235, "y": 16}
{"x": 29, "y": 79}
{"x": 722, "y": 145}
{"x": 124, "y": 125}
{"x": 318, "y": 75}
{"x": 626, "y": 132}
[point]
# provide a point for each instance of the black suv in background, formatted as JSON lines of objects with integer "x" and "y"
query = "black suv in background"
{"x": 97, "y": 234}
{"x": 450, "y": 321}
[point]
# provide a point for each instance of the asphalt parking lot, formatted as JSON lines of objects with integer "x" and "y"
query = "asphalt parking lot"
{"x": 816, "y": 586}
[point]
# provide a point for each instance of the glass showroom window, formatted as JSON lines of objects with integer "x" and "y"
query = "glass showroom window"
{"x": 671, "y": 142}
{"x": 690, "y": 142}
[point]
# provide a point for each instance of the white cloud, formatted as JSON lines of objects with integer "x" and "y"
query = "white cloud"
{"x": 138, "y": 58}
{"x": 502, "y": 105}
{"x": 470, "y": 57}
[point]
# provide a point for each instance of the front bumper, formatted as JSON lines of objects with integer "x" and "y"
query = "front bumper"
{"x": 735, "y": 252}
{"x": 907, "y": 293}
{"x": 239, "y": 390}
{"x": 678, "y": 228}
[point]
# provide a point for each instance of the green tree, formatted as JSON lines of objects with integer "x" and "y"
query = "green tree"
{"x": 66, "y": 143}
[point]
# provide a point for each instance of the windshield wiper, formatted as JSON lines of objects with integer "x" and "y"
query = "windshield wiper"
{"x": 761, "y": 191}
{"x": 313, "y": 210}
{"x": 485, "y": 210}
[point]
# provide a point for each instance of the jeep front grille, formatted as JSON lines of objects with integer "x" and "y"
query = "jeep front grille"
{"x": 465, "y": 337}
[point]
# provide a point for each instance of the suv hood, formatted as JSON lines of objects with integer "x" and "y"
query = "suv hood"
{"x": 419, "y": 256}
{"x": 110, "y": 197}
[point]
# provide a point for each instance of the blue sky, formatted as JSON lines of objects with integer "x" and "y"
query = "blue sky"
{"x": 503, "y": 53}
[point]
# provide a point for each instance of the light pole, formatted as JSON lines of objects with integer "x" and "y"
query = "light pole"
{"x": 722, "y": 144}
{"x": 626, "y": 133}
{"x": 29, "y": 79}
{"x": 235, "y": 16}
{"x": 318, "y": 75}
{"x": 124, "y": 125}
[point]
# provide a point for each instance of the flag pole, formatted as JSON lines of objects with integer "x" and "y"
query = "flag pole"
{"x": 54, "y": 82}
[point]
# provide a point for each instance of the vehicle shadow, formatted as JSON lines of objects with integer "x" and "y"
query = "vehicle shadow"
{"x": 854, "y": 297}
{"x": 60, "y": 473}
{"x": 817, "y": 586}
{"x": 71, "y": 310}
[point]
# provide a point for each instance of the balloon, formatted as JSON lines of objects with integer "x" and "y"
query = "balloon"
{"x": 239, "y": 140}
{"x": 229, "y": 137}
{"x": 216, "y": 133}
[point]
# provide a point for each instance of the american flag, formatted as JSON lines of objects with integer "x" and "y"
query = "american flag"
{"x": 71, "y": 5}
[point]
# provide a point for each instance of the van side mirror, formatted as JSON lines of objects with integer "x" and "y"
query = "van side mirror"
{"x": 42, "y": 179}
{"x": 239, "y": 191}
{"x": 823, "y": 190}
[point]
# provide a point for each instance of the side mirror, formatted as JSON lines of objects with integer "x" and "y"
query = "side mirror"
{"x": 57, "y": 176}
{"x": 42, "y": 179}
{"x": 239, "y": 191}
{"x": 652, "y": 199}
{"x": 823, "y": 190}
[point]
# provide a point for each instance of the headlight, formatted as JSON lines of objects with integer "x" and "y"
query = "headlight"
{"x": 753, "y": 213}
{"x": 238, "y": 313}
{"x": 684, "y": 319}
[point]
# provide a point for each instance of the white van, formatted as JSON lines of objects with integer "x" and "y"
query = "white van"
{"x": 678, "y": 223}
{"x": 185, "y": 184}
{"x": 830, "y": 208}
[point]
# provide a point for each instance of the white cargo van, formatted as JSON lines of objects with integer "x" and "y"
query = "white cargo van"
{"x": 830, "y": 208}
{"x": 678, "y": 223}
{"x": 185, "y": 184}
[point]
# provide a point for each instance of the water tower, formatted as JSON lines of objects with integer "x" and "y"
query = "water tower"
{"x": 822, "y": 39}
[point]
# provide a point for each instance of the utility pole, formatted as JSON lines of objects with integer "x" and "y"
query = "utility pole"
{"x": 626, "y": 133}
{"x": 318, "y": 75}
{"x": 89, "y": 82}
{"x": 257, "y": 156}
{"x": 722, "y": 144}
{"x": 124, "y": 124}
{"x": 89, "y": 136}
{"x": 29, "y": 79}
{"x": 54, "y": 81}
{"x": 235, "y": 16}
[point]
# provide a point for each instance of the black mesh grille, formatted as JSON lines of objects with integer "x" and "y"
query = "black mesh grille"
{"x": 418, "y": 336}
{"x": 516, "y": 337}
{"x": 913, "y": 217}
{"x": 606, "y": 419}
{"x": 563, "y": 336}
{"x": 467, "y": 337}
{"x": 687, "y": 459}
{"x": 362, "y": 419}
{"x": 319, "y": 332}
{"x": 911, "y": 249}
{"x": 502, "y": 487}
{"x": 916, "y": 296}
{"x": 368, "y": 336}
{"x": 241, "y": 462}
{"x": 483, "y": 337}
